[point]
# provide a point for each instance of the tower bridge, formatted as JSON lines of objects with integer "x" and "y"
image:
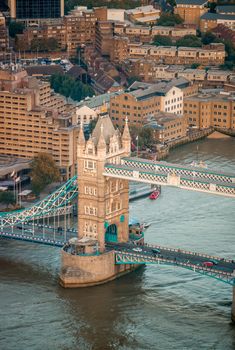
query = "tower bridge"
{"x": 100, "y": 249}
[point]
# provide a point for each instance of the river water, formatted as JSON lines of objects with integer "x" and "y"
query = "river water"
{"x": 153, "y": 308}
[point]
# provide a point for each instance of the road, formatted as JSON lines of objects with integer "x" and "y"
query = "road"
{"x": 176, "y": 256}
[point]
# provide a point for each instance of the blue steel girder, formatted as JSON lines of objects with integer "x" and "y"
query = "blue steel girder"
{"x": 138, "y": 259}
{"x": 58, "y": 199}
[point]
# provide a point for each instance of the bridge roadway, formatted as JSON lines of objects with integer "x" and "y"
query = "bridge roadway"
{"x": 222, "y": 269}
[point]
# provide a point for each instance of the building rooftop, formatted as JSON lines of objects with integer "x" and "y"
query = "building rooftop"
{"x": 160, "y": 118}
{"x": 98, "y": 101}
{"x": 212, "y": 96}
{"x": 108, "y": 129}
{"x": 159, "y": 89}
{"x": 191, "y": 2}
{"x": 225, "y": 9}
{"x": 215, "y": 16}
{"x": 143, "y": 9}
{"x": 44, "y": 70}
{"x": 8, "y": 164}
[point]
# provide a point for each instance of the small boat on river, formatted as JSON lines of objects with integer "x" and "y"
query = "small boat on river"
{"x": 154, "y": 195}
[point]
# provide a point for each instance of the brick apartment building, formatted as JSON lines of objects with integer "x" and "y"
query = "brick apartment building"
{"x": 33, "y": 120}
{"x": 191, "y": 10}
{"x": 211, "y": 109}
{"x": 145, "y": 100}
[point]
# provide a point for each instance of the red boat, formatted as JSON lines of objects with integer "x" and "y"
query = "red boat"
{"x": 154, "y": 195}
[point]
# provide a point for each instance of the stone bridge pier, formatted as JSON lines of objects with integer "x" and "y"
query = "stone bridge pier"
{"x": 233, "y": 306}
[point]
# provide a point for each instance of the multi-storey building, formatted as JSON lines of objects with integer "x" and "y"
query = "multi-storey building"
{"x": 211, "y": 109}
{"x": 144, "y": 34}
{"x": 71, "y": 31}
{"x": 79, "y": 28}
{"x": 191, "y": 10}
{"x": 33, "y": 120}
{"x": 169, "y": 127}
{"x": 146, "y": 100}
{"x": 119, "y": 49}
{"x": 4, "y": 37}
{"x": 210, "y": 20}
{"x": 103, "y": 37}
{"x": 144, "y": 14}
{"x": 148, "y": 70}
{"x": 213, "y": 54}
{"x": 36, "y": 10}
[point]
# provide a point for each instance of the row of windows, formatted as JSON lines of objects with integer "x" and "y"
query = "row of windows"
{"x": 90, "y": 210}
{"x": 91, "y": 190}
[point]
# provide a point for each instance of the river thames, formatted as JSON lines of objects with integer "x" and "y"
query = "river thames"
{"x": 156, "y": 307}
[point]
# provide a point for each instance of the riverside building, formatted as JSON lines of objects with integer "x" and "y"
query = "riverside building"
{"x": 33, "y": 119}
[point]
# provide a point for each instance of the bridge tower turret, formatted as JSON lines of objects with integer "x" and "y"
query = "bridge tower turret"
{"x": 103, "y": 203}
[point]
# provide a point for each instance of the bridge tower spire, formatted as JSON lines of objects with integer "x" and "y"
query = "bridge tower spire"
{"x": 103, "y": 203}
{"x": 126, "y": 138}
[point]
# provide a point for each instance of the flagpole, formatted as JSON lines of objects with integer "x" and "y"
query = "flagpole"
{"x": 137, "y": 146}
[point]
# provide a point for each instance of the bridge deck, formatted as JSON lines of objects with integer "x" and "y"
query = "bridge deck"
{"x": 222, "y": 269}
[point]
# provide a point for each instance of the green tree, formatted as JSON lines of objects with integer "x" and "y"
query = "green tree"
{"x": 169, "y": 19}
{"x": 7, "y": 198}
{"x": 38, "y": 44}
{"x": 161, "y": 40}
{"x": 69, "y": 87}
{"x": 44, "y": 172}
{"x": 209, "y": 38}
{"x": 15, "y": 28}
{"x": 52, "y": 44}
{"x": 146, "y": 135}
{"x": 189, "y": 41}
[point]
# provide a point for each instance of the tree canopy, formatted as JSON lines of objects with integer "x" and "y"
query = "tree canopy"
{"x": 189, "y": 41}
{"x": 208, "y": 38}
{"x": 15, "y": 28}
{"x": 169, "y": 19}
{"x": 69, "y": 87}
{"x": 38, "y": 44}
{"x": 161, "y": 40}
{"x": 7, "y": 197}
{"x": 44, "y": 172}
{"x": 144, "y": 136}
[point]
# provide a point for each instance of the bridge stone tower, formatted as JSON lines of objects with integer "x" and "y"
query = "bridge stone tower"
{"x": 103, "y": 209}
{"x": 103, "y": 203}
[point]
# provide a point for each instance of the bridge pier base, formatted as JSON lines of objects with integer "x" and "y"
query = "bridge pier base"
{"x": 85, "y": 271}
{"x": 233, "y": 306}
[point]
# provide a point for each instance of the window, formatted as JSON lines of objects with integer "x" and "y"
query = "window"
{"x": 89, "y": 164}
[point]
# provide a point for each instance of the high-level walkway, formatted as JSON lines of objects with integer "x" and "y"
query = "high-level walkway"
{"x": 182, "y": 176}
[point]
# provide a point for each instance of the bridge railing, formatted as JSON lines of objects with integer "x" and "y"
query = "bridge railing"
{"x": 178, "y": 263}
{"x": 189, "y": 252}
